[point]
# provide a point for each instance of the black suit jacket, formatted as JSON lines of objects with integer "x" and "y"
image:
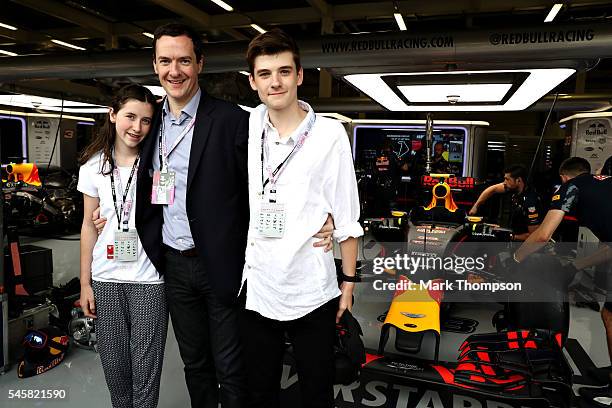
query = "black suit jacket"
{"x": 217, "y": 194}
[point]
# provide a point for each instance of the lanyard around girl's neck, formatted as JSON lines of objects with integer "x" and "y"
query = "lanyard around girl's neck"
{"x": 123, "y": 212}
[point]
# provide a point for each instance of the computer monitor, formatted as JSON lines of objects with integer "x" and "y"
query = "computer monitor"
{"x": 406, "y": 145}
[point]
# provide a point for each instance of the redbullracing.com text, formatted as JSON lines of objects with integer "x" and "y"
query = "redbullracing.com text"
{"x": 339, "y": 46}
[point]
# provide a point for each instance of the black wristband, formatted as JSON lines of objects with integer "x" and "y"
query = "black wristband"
{"x": 346, "y": 278}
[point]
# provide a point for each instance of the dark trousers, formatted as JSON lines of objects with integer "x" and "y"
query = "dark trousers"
{"x": 207, "y": 333}
{"x": 312, "y": 337}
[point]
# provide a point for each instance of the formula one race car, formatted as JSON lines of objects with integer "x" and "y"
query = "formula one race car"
{"x": 33, "y": 207}
{"x": 524, "y": 368}
{"x": 520, "y": 365}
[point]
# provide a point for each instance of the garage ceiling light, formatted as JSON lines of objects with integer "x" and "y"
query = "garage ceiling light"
{"x": 65, "y": 44}
{"x": 45, "y": 115}
{"x": 148, "y": 34}
{"x": 8, "y": 27}
{"x": 389, "y": 122}
{"x": 456, "y": 93}
{"x": 258, "y": 28}
{"x": 50, "y": 104}
{"x": 553, "y": 12}
{"x": 10, "y": 54}
{"x": 587, "y": 115}
{"x": 400, "y": 21}
{"x": 223, "y": 5}
{"x": 537, "y": 84}
{"x": 245, "y": 73}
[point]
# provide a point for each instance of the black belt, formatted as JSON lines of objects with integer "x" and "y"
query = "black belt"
{"x": 189, "y": 253}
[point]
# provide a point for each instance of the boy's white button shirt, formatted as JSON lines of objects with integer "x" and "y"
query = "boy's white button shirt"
{"x": 287, "y": 277}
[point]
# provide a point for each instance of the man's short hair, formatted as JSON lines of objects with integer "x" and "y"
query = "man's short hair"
{"x": 574, "y": 166}
{"x": 176, "y": 30}
{"x": 272, "y": 42}
{"x": 516, "y": 171}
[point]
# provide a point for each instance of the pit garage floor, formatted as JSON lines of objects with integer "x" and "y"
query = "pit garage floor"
{"x": 81, "y": 373}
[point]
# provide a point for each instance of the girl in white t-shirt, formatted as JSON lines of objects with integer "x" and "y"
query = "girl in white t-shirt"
{"x": 120, "y": 287}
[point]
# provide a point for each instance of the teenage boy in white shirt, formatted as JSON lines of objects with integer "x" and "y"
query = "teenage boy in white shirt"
{"x": 300, "y": 169}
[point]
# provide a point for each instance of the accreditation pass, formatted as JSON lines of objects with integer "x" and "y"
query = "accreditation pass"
{"x": 271, "y": 223}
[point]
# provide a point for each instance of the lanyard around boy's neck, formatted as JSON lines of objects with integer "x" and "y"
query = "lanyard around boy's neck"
{"x": 273, "y": 175}
{"x": 164, "y": 152}
{"x": 123, "y": 212}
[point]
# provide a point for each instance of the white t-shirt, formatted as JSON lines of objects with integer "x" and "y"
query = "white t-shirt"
{"x": 93, "y": 183}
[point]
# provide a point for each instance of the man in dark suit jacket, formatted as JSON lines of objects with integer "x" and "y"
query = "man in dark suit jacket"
{"x": 198, "y": 241}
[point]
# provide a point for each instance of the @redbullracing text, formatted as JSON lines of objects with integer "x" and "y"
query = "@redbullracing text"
{"x": 541, "y": 37}
{"x": 37, "y": 394}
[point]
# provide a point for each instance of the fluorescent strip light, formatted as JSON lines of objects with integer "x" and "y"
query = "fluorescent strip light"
{"x": 244, "y": 73}
{"x": 36, "y": 101}
{"x": 50, "y": 104}
{"x": 538, "y": 83}
{"x": 258, "y": 28}
{"x": 462, "y": 93}
{"x": 408, "y": 130}
{"x": 148, "y": 34}
{"x": 223, "y": 5}
{"x": 45, "y": 115}
{"x": 553, "y": 12}
{"x": 73, "y": 110}
{"x": 10, "y": 54}
{"x": 388, "y": 122}
{"x": 8, "y": 27}
{"x": 587, "y": 115}
{"x": 400, "y": 21}
{"x": 65, "y": 44}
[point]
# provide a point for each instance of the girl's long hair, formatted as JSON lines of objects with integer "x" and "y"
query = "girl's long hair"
{"x": 104, "y": 140}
